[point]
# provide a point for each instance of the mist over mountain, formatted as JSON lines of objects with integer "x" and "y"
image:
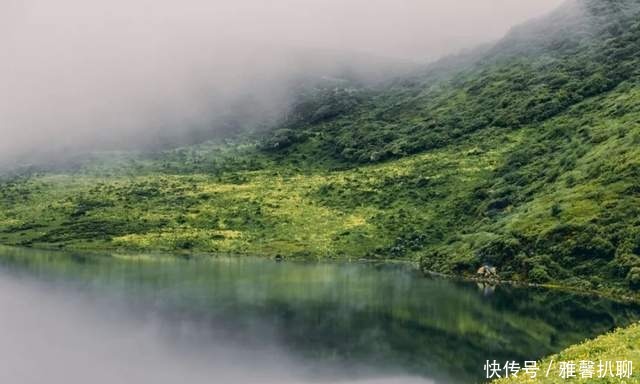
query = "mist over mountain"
{"x": 83, "y": 75}
{"x": 148, "y": 146}
{"x": 521, "y": 154}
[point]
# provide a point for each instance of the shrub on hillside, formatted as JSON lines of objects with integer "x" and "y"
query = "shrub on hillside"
{"x": 500, "y": 251}
{"x": 634, "y": 278}
{"x": 281, "y": 139}
{"x": 578, "y": 241}
{"x": 539, "y": 275}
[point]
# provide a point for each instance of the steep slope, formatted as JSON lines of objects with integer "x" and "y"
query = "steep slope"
{"x": 584, "y": 49}
{"x": 524, "y": 155}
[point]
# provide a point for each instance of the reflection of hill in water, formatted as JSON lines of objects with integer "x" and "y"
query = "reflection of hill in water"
{"x": 351, "y": 316}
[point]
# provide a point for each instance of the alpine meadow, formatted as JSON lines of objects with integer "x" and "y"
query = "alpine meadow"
{"x": 521, "y": 156}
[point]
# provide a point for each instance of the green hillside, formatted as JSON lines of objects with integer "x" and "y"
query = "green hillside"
{"x": 524, "y": 155}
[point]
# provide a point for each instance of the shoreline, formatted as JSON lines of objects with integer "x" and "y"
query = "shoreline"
{"x": 568, "y": 288}
{"x": 414, "y": 265}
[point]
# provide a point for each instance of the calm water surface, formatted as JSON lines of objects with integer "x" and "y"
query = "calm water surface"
{"x": 72, "y": 318}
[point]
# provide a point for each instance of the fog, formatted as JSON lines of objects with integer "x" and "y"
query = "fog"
{"x": 51, "y": 333}
{"x": 87, "y": 74}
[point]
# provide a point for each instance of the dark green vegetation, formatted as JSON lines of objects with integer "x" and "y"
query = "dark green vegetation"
{"x": 361, "y": 318}
{"x": 525, "y": 156}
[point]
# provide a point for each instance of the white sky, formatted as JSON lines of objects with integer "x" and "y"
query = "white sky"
{"x": 82, "y": 72}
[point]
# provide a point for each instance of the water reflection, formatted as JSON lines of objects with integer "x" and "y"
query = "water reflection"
{"x": 251, "y": 320}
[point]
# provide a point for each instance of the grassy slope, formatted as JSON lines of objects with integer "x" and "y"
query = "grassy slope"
{"x": 528, "y": 160}
{"x": 274, "y": 209}
{"x": 621, "y": 345}
{"x": 443, "y": 207}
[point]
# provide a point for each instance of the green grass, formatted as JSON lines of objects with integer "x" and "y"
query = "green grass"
{"x": 546, "y": 204}
{"x": 526, "y": 157}
{"x": 620, "y": 345}
{"x": 276, "y": 210}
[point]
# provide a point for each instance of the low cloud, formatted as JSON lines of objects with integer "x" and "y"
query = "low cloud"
{"x": 88, "y": 74}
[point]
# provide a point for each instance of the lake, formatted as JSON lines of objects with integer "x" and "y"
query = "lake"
{"x": 79, "y": 318}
